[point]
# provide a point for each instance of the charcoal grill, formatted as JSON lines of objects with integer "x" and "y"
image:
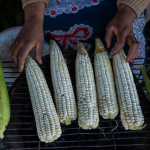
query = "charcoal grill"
{"x": 21, "y": 132}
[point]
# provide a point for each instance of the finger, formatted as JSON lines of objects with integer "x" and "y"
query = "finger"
{"x": 138, "y": 46}
{"x": 15, "y": 51}
{"x": 12, "y": 48}
{"x": 38, "y": 51}
{"x": 120, "y": 43}
{"x": 14, "y": 44}
{"x": 132, "y": 49}
{"x": 22, "y": 55}
{"x": 108, "y": 36}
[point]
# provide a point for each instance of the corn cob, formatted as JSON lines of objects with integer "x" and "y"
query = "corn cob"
{"x": 86, "y": 90}
{"x": 107, "y": 101}
{"x": 63, "y": 90}
{"x": 4, "y": 103}
{"x": 47, "y": 122}
{"x": 130, "y": 109}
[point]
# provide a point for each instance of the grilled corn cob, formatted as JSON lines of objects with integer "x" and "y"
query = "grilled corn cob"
{"x": 4, "y": 103}
{"x": 86, "y": 90}
{"x": 130, "y": 109}
{"x": 63, "y": 90}
{"x": 107, "y": 101}
{"x": 47, "y": 122}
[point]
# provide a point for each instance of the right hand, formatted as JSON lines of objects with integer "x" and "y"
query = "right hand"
{"x": 31, "y": 35}
{"x": 122, "y": 26}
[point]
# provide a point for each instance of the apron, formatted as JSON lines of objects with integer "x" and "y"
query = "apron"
{"x": 69, "y": 22}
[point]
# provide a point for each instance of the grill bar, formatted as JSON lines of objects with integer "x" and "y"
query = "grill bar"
{"x": 108, "y": 133}
{"x": 96, "y": 146}
{"x": 81, "y": 140}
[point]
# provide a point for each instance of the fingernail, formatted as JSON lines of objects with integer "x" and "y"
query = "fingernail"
{"x": 20, "y": 70}
{"x": 129, "y": 60}
{"x": 106, "y": 45}
{"x": 114, "y": 54}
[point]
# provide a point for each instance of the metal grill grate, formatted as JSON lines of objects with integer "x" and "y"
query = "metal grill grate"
{"x": 21, "y": 132}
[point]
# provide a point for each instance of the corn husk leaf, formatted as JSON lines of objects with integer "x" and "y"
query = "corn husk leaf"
{"x": 149, "y": 72}
{"x": 145, "y": 73}
{"x": 4, "y": 103}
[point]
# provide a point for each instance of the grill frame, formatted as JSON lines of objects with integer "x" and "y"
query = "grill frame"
{"x": 103, "y": 134}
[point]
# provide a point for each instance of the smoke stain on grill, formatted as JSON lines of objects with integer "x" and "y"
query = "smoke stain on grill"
{"x": 21, "y": 132}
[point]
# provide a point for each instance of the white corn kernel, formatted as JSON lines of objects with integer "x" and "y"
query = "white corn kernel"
{"x": 107, "y": 100}
{"x": 85, "y": 85}
{"x": 47, "y": 122}
{"x": 63, "y": 90}
{"x": 131, "y": 113}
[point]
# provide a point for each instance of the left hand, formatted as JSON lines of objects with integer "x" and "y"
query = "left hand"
{"x": 122, "y": 26}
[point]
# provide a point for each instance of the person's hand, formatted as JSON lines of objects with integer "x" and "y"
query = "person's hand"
{"x": 122, "y": 26}
{"x": 31, "y": 35}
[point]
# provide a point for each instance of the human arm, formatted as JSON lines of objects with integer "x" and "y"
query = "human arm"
{"x": 26, "y": 2}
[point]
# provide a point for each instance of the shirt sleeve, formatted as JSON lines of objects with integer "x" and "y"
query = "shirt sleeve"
{"x": 137, "y": 5}
{"x": 25, "y": 2}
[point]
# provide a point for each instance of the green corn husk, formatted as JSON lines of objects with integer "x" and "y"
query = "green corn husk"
{"x": 149, "y": 72}
{"x": 145, "y": 73}
{"x": 4, "y": 103}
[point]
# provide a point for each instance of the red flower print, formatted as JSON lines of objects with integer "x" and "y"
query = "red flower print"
{"x": 138, "y": 55}
{"x": 53, "y": 12}
{"x": 57, "y": 1}
{"x": 94, "y": 1}
{"x": 74, "y": 8}
{"x": 135, "y": 68}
